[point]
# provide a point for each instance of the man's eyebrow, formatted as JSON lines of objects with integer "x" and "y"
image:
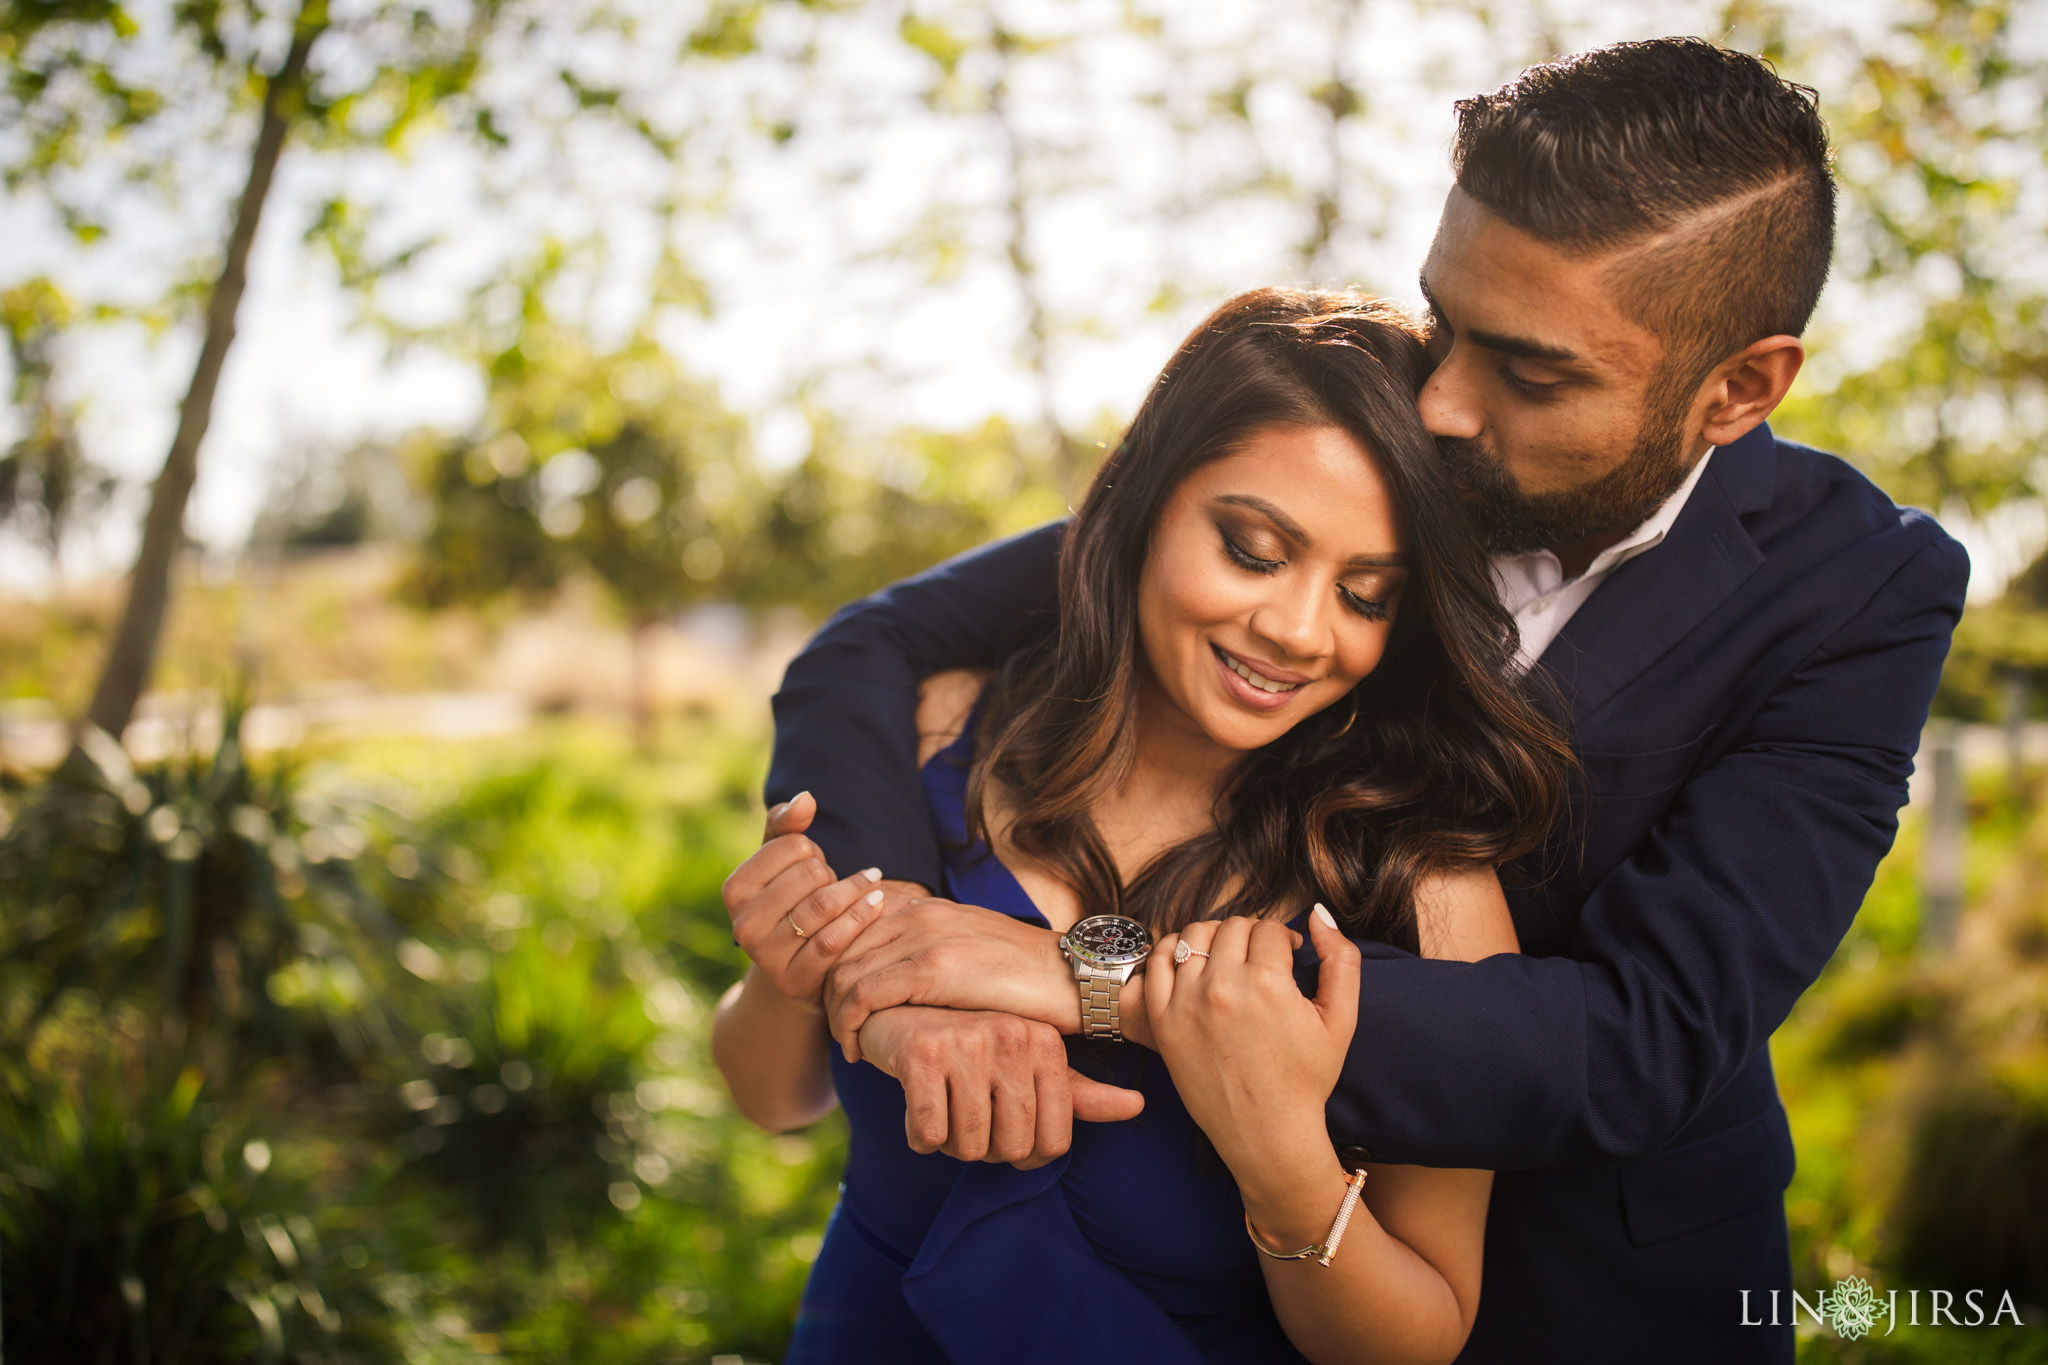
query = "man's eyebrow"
{"x": 1496, "y": 341}
{"x": 1293, "y": 530}
{"x": 1522, "y": 346}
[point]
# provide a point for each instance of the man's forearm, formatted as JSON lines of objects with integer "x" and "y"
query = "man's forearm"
{"x": 939, "y": 953}
{"x": 942, "y": 954}
{"x": 845, "y": 726}
{"x": 1689, "y": 953}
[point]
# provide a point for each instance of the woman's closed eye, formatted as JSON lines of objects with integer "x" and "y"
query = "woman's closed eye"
{"x": 1371, "y": 608}
{"x": 1245, "y": 559}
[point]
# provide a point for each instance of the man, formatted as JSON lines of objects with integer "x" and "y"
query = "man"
{"x": 1744, "y": 635}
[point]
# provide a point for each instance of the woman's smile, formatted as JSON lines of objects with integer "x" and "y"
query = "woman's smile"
{"x": 1260, "y": 686}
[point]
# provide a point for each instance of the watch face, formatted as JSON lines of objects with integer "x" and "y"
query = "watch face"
{"x": 1109, "y": 940}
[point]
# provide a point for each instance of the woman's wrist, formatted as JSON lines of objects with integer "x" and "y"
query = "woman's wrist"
{"x": 1292, "y": 1193}
{"x": 762, "y": 986}
{"x": 1299, "y": 1212}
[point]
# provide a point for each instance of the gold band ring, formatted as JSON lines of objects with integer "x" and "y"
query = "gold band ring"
{"x": 793, "y": 924}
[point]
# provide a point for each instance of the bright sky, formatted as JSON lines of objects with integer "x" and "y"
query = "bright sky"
{"x": 819, "y": 258}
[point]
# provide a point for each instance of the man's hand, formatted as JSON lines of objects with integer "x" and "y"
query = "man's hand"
{"x": 790, "y": 915}
{"x": 982, "y": 1086}
{"x": 962, "y": 957}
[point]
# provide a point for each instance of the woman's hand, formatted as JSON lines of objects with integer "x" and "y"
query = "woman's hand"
{"x": 790, "y": 914}
{"x": 793, "y": 918}
{"x": 1254, "y": 1059}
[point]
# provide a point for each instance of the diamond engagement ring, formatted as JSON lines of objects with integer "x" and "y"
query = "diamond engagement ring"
{"x": 1181, "y": 952}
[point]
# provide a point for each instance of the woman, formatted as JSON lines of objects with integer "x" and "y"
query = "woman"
{"x": 1281, "y": 677}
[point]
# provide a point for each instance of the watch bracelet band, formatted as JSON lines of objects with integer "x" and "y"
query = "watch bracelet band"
{"x": 1101, "y": 1013}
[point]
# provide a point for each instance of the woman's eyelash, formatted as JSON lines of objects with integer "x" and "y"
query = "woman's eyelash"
{"x": 1245, "y": 559}
{"x": 1366, "y": 607}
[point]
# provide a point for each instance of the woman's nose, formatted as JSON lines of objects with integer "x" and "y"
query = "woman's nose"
{"x": 1294, "y": 620}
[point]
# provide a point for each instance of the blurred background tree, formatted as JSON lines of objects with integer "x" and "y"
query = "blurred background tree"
{"x": 1940, "y": 161}
{"x": 613, "y": 464}
{"x": 94, "y": 90}
{"x": 47, "y": 481}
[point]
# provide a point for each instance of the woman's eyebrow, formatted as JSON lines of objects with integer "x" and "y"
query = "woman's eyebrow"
{"x": 1293, "y": 530}
{"x": 1289, "y": 527}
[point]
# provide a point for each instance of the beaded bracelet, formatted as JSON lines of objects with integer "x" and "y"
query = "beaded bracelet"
{"x": 1354, "y": 1184}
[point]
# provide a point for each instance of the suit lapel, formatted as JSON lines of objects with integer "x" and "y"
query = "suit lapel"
{"x": 1650, "y": 603}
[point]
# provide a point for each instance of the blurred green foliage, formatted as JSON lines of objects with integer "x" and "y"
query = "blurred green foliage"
{"x": 482, "y": 1122}
{"x": 47, "y": 481}
{"x": 1995, "y": 644}
{"x": 1915, "y": 1087}
{"x": 159, "y": 1234}
{"x": 180, "y": 891}
{"x": 619, "y": 466}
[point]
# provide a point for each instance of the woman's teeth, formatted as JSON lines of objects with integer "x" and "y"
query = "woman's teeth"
{"x": 1263, "y": 684}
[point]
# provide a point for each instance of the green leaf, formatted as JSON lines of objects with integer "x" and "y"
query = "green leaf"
{"x": 731, "y": 31}
{"x": 934, "y": 40}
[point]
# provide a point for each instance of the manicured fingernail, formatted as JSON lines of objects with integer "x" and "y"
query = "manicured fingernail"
{"x": 873, "y": 874}
{"x": 798, "y": 797}
{"x": 873, "y": 897}
{"x": 1323, "y": 914}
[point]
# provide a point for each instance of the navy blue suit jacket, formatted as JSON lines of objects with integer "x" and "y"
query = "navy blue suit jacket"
{"x": 1746, "y": 700}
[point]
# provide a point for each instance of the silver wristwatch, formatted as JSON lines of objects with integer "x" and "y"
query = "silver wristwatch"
{"x": 1104, "y": 950}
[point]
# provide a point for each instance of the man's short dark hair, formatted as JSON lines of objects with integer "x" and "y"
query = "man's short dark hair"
{"x": 1708, "y": 158}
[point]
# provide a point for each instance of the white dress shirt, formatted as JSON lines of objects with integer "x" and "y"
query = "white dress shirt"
{"x": 1534, "y": 588}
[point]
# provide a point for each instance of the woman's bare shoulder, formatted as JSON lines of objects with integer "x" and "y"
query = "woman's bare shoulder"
{"x": 944, "y": 701}
{"x": 1462, "y": 916}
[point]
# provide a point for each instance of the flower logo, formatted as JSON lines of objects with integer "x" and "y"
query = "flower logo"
{"x": 1852, "y": 1308}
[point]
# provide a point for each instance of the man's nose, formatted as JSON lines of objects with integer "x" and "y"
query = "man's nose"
{"x": 1448, "y": 402}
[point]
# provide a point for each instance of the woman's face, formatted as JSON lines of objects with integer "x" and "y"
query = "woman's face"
{"x": 1271, "y": 583}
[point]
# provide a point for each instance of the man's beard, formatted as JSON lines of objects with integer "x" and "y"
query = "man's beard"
{"x": 1510, "y": 521}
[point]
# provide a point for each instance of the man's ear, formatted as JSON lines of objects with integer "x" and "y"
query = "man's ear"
{"x": 1747, "y": 387}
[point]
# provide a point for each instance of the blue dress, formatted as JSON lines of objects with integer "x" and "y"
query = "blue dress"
{"x": 1129, "y": 1250}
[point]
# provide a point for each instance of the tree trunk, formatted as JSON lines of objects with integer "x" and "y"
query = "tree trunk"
{"x": 135, "y": 642}
{"x": 641, "y": 685}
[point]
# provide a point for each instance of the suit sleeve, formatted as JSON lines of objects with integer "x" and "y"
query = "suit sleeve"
{"x": 845, "y": 719}
{"x": 1692, "y": 951}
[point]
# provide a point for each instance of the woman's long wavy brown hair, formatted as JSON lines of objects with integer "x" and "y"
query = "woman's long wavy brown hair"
{"x": 1446, "y": 762}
